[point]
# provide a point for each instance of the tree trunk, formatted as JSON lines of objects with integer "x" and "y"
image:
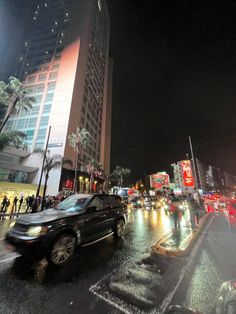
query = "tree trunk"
{"x": 75, "y": 188}
{"x": 121, "y": 181}
{"x": 44, "y": 190}
{"x": 4, "y": 122}
{"x": 8, "y": 113}
{"x": 91, "y": 182}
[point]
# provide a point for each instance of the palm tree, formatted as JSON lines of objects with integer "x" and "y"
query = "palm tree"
{"x": 120, "y": 174}
{"x": 94, "y": 168}
{"x": 15, "y": 97}
{"x": 51, "y": 162}
{"x": 11, "y": 138}
{"x": 78, "y": 140}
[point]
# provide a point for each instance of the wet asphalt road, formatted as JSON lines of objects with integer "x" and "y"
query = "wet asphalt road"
{"x": 111, "y": 265}
{"x": 214, "y": 263}
{"x": 43, "y": 289}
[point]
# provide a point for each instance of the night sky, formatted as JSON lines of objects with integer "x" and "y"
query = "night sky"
{"x": 174, "y": 76}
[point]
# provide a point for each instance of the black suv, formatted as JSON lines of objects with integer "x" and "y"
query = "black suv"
{"x": 81, "y": 219}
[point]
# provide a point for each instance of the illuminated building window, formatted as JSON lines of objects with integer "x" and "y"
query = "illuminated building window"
{"x": 53, "y": 75}
{"x": 42, "y": 77}
{"x": 31, "y": 79}
{"x": 49, "y": 97}
{"x": 44, "y": 121}
{"x": 32, "y": 123}
{"x": 55, "y": 66}
{"x": 51, "y": 86}
{"x": 47, "y": 108}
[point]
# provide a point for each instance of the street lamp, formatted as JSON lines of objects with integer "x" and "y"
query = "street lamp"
{"x": 44, "y": 158}
{"x": 193, "y": 159}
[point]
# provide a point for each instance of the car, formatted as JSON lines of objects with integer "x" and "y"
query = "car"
{"x": 128, "y": 194}
{"x": 79, "y": 220}
{"x": 150, "y": 202}
{"x": 136, "y": 202}
{"x": 230, "y": 212}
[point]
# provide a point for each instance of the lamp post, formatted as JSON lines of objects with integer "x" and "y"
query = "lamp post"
{"x": 44, "y": 157}
{"x": 193, "y": 159}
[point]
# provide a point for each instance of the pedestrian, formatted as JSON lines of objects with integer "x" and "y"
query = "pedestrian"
{"x": 174, "y": 209}
{"x": 8, "y": 203}
{"x": 20, "y": 203}
{"x": 31, "y": 201}
{"x": 35, "y": 205}
{"x": 14, "y": 207}
{"x": 194, "y": 210}
{"x": 4, "y": 203}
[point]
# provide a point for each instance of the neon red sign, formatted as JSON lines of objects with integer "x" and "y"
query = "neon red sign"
{"x": 187, "y": 173}
{"x": 159, "y": 180}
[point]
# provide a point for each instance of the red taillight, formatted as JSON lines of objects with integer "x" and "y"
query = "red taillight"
{"x": 130, "y": 191}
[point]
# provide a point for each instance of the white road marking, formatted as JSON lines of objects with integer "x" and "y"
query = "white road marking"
{"x": 95, "y": 287}
{"x": 8, "y": 259}
{"x": 120, "y": 308}
{"x": 166, "y": 302}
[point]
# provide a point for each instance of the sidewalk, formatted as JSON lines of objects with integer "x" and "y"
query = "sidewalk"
{"x": 179, "y": 242}
{"x": 4, "y": 227}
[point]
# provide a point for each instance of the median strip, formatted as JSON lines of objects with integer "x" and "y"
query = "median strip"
{"x": 179, "y": 242}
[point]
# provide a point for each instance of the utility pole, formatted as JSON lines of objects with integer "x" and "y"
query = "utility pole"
{"x": 44, "y": 158}
{"x": 193, "y": 159}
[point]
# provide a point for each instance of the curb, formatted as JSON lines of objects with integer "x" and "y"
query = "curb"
{"x": 191, "y": 239}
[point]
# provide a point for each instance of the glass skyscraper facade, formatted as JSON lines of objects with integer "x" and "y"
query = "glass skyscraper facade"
{"x": 65, "y": 66}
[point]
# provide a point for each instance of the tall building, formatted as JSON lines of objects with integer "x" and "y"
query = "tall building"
{"x": 201, "y": 175}
{"x": 66, "y": 66}
{"x": 183, "y": 175}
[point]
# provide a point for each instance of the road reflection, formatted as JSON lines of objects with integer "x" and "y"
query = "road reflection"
{"x": 145, "y": 228}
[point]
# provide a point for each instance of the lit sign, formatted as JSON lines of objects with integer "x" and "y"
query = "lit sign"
{"x": 54, "y": 145}
{"x": 187, "y": 173}
{"x": 159, "y": 180}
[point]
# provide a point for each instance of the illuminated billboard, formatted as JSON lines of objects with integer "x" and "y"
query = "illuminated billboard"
{"x": 159, "y": 180}
{"x": 187, "y": 174}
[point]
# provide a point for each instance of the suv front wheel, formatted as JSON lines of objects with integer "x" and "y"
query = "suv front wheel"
{"x": 119, "y": 228}
{"x": 62, "y": 250}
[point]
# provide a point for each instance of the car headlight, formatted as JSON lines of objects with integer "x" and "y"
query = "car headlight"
{"x": 153, "y": 203}
{"x": 12, "y": 224}
{"x": 181, "y": 207}
{"x": 36, "y": 231}
{"x": 139, "y": 202}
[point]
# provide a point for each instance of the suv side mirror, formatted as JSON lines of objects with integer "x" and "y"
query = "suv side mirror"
{"x": 91, "y": 209}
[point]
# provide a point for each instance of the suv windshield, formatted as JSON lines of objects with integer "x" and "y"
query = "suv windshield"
{"x": 74, "y": 203}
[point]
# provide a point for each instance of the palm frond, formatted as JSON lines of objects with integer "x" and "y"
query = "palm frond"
{"x": 12, "y": 138}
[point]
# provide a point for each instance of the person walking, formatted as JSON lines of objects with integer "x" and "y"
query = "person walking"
{"x": 3, "y": 207}
{"x": 35, "y": 205}
{"x": 174, "y": 209}
{"x": 31, "y": 201}
{"x": 14, "y": 207}
{"x": 4, "y": 203}
{"x": 8, "y": 203}
{"x": 193, "y": 209}
{"x": 20, "y": 203}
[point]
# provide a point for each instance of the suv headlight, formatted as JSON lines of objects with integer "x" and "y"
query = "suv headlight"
{"x": 12, "y": 224}
{"x": 37, "y": 231}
